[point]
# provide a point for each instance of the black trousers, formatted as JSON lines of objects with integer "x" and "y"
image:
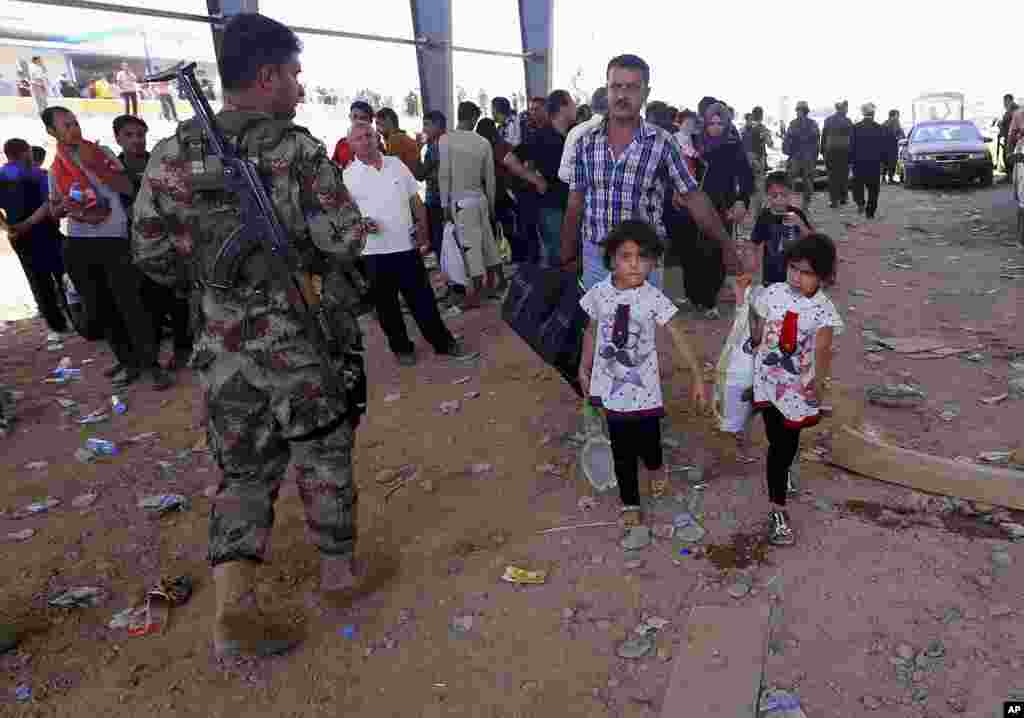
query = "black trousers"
{"x": 633, "y": 441}
{"x": 871, "y": 178}
{"x": 838, "y": 164}
{"x": 527, "y": 248}
{"x": 435, "y": 218}
{"x": 783, "y": 443}
{"x": 46, "y": 288}
{"x": 163, "y": 304}
{"x": 111, "y": 290}
{"x": 131, "y": 99}
{"x": 404, "y": 272}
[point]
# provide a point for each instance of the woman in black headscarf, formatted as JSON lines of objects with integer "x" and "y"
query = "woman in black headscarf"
{"x": 724, "y": 173}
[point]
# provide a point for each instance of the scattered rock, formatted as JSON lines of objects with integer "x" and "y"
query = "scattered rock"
{"x": 896, "y": 396}
{"x": 638, "y": 537}
{"x": 739, "y": 590}
{"x": 568, "y": 614}
{"x": 84, "y": 501}
{"x": 1001, "y": 559}
{"x": 462, "y": 624}
{"x": 428, "y": 486}
{"x": 392, "y": 397}
{"x": 450, "y": 407}
{"x": 478, "y": 469}
{"x": 23, "y": 535}
{"x": 871, "y": 703}
{"x": 983, "y": 580}
{"x": 634, "y": 648}
{"x": 664, "y": 531}
{"x": 471, "y": 395}
{"x": 920, "y": 694}
{"x": 951, "y": 615}
{"x": 1015, "y": 531}
{"x": 85, "y": 456}
{"x": 905, "y": 651}
{"x": 634, "y": 564}
{"x": 1000, "y": 610}
{"x": 84, "y": 597}
{"x": 935, "y": 649}
{"x": 36, "y": 465}
{"x": 994, "y": 457}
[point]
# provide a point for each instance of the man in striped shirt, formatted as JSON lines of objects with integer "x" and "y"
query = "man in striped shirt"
{"x": 623, "y": 168}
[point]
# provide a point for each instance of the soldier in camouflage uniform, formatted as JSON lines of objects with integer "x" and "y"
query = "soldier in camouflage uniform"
{"x": 269, "y": 402}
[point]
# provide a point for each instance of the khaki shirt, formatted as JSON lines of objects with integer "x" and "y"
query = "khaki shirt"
{"x": 466, "y": 166}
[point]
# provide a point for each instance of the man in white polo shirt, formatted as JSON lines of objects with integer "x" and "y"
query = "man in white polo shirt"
{"x": 386, "y": 191}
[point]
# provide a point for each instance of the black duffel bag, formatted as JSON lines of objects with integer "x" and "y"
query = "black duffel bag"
{"x": 543, "y": 307}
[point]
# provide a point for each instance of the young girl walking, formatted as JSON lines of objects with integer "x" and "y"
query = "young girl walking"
{"x": 619, "y": 368}
{"x": 792, "y": 326}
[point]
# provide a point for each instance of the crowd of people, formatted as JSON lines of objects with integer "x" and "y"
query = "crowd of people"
{"x": 610, "y": 192}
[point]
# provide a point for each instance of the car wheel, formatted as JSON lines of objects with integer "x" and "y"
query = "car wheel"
{"x": 987, "y": 179}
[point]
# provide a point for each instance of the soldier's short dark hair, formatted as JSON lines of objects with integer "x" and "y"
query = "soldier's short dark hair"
{"x": 502, "y": 105}
{"x": 630, "y": 62}
{"x": 556, "y": 101}
{"x": 49, "y": 115}
{"x": 16, "y": 147}
{"x": 777, "y": 179}
{"x": 252, "y": 41}
{"x": 436, "y": 117}
{"x": 361, "y": 106}
{"x": 122, "y": 121}
{"x": 386, "y": 113}
{"x": 820, "y": 252}
{"x": 1008, "y": 96}
{"x": 468, "y": 111}
{"x": 634, "y": 230}
{"x": 38, "y": 154}
{"x": 757, "y": 113}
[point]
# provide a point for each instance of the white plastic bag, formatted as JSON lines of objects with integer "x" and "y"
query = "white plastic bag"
{"x": 453, "y": 261}
{"x": 738, "y": 335}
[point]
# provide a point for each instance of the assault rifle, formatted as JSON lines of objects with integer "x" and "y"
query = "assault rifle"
{"x": 261, "y": 228}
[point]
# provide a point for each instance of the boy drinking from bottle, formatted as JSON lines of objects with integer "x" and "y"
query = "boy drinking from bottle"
{"x": 778, "y": 225}
{"x": 619, "y": 369}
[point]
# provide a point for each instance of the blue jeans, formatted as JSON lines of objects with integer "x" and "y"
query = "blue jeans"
{"x": 551, "y": 235}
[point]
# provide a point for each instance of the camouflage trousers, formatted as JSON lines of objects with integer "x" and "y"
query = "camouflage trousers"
{"x": 254, "y": 457}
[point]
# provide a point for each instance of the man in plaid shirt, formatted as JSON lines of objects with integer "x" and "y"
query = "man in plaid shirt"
{"x": 623, "y": 168}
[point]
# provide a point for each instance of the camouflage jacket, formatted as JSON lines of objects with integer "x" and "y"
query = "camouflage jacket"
{"x": 256, "y": 329}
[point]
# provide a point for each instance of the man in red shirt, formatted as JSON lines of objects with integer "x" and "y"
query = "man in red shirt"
{"x": 358, "y": 111}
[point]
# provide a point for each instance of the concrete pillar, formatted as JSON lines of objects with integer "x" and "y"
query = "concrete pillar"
{"x": 432, "y": 22}
{"x": 536, "y": 18}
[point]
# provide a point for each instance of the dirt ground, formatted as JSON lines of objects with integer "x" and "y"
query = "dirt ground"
{"x": 875, "y": 567}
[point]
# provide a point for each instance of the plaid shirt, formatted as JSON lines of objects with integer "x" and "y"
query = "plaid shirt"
{"x": 631, "y": 187}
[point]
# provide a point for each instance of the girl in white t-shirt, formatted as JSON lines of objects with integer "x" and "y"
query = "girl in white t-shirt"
{"x": 619, "y": 368}
{"x": 792, "y": 326}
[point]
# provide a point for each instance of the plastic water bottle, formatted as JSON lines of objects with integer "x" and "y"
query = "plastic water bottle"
{"x": 118, "y": 405}
{"x": 75, "y": 193}
{"x": 101, "y": 447}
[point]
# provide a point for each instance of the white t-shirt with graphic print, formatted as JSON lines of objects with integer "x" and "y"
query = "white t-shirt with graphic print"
{"x": 626, "y": 378}
{"x": 785, "y": 379}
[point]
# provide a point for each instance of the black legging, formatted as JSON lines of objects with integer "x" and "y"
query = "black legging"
{"x": 131, "y": 103}
{"x": 783, "y": 443}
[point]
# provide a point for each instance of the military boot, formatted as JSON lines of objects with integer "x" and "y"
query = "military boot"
{"x": 240, "y": 628}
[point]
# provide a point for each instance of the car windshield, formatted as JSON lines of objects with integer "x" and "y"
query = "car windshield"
{"x": 947, "y": 133}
